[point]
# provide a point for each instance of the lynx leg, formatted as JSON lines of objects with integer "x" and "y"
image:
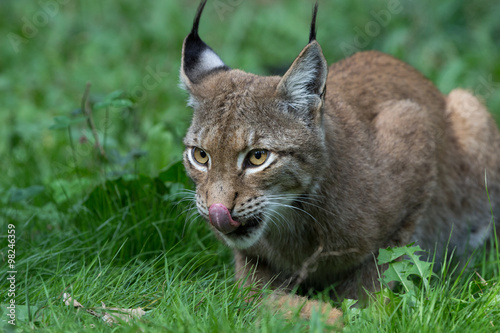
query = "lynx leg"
{"x": 409, "y": 145}
{"x": 251, "y": 271}
{"x": 478, "y": 143}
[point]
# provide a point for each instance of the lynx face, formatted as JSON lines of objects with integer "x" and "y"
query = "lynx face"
{"x": 256, "y": 144}
{"x": 250, "y": 157}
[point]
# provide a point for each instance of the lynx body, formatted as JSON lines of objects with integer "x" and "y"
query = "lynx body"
{"x": 308, "y": 175}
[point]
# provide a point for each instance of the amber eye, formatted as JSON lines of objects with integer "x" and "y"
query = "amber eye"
{"x": 200, "y": 155}
{"x": 257, "y": 157}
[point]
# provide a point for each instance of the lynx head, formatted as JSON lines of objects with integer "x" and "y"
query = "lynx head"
{"x": 255, "y": 144}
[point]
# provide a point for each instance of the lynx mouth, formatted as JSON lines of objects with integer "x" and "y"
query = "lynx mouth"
{"x": 222, "y": 220}
{"x": 247, "y": 227}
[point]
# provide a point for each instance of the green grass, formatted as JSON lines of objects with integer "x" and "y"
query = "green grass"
{"x": 117, "y": 230}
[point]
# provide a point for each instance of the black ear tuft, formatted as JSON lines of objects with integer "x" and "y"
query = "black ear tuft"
{"x": 198, "y": 59}
{"x": 196, "y": 22}
{"x": 312, "y": 32}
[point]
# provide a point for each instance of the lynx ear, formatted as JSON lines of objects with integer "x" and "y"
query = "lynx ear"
{"x": 303, "y": 85}
{"x": 198, "y": 59}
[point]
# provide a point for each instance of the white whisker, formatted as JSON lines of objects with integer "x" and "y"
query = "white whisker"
{"x": 278, "y": 202}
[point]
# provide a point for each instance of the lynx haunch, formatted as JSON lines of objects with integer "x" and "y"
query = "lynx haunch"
{"x": 330, "y": 164}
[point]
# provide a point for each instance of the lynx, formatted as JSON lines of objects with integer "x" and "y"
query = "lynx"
{"x": 306, "y": 176}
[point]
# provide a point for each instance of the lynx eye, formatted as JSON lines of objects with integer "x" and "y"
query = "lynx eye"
{"x": 199, "y": 155}
{"x": 257, "y": 157}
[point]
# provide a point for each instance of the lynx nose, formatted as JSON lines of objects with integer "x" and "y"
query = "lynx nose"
{"x": 221, "y": 219}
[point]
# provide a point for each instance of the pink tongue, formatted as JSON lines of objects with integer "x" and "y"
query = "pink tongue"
{"x": 221, "y": 219}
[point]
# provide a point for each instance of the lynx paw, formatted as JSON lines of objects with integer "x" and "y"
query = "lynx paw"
{"x": 291, "y": 304}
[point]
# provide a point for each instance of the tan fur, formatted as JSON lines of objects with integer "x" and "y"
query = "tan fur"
{"x": 383, "y": 159}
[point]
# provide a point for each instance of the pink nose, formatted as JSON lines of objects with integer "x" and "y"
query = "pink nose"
{"x": 221, "y": 219}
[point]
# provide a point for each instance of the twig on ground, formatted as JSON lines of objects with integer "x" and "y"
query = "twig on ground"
{"x": 87, "y": 110}
{"x": 111, "y": 315}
